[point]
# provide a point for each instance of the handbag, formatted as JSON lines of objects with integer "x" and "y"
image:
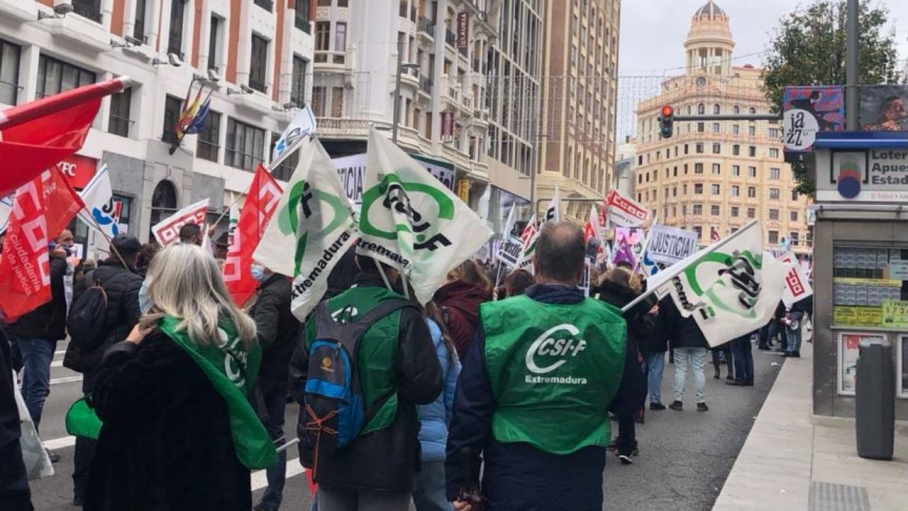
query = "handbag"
{"x": 34, "y": 455}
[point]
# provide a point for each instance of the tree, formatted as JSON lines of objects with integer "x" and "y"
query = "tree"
{"x": 808, "y": 48}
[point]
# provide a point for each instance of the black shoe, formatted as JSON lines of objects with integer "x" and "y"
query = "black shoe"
{"x": 717, "y": 375}
{"x": 626, "y": 459}
{"x": 735, "y": 383}
{"x": 677, "y": 406}
{"x": 730, "y": 377}
{"x": 656, "y": 407}
{"x": 77, "y": 501}
{"x": 796, "y": 354}
{"x": 701, "y": 407}
{"x": 787, "y": 355}
{"x": 54, "y": 457}
{"x": 262, "y": 507}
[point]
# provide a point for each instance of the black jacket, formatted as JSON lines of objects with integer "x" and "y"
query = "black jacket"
{"x": 49, "y": 320}
{"x": 517, "y": 476}
{"x": 166, "y": 442}
{"x": 682, "y": 332}
{"x": 14, "y": 492}
{"x": 388, "y": 459}
{"x": 121, "y": 284}
{"x": 278, "y": 329}
{"x": 640, "y": 324}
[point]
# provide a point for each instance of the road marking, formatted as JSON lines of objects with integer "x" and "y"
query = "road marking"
{"x": 60, "y": 352}
{"x": 67, "y": 379}
{"x": 57, "y": 363}
{"x": 60, "y": 443}
{"x": 260, "y": 479}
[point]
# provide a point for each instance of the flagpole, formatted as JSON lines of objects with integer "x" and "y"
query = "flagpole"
{"x": 676, "y": 269}
{"x": 97, "y": 227}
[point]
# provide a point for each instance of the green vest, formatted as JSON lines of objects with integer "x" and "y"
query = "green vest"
{"x": 554, "y": 370}
{"x": 377, "y": 350}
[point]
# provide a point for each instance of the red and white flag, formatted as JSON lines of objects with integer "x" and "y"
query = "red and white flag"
{"x": 262, "y": 200}
{"x": 714, "y": 234}
{"x": 42, "y": 208}
{"x": 167, "y": 231}
{"x": 622, "y": 211}
{"x": 38, "y": 135}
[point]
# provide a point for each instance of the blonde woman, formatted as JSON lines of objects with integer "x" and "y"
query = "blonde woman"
{"x": 178, "y": 431}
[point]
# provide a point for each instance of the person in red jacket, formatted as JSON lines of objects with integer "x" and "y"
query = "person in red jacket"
{"x": 467, "y": 286}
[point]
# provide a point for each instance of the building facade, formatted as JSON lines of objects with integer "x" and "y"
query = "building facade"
{"x": 579, "y": 98}
{"x": 717, "y": 176}
{"x": 252, "y": 56}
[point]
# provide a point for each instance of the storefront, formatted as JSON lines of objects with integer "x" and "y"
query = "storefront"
{"x": 861, "y": 261}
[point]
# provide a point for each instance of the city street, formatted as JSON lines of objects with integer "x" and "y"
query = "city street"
{"x": 684, "y": 457}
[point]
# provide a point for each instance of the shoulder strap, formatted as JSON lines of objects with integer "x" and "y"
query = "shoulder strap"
{"x": 351, "y": 333}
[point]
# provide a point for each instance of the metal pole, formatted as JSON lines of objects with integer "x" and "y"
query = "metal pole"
{"x": 400, "y": 70}
{"x": 851, "y": 68}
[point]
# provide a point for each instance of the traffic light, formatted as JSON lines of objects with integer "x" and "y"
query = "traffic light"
{"x": 666, "y": 121}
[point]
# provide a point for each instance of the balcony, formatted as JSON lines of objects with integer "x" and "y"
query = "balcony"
{"x": 426, "y": 85}
{"x": 82, "y": 32}
{"x": 426, "y": 26}
{"x": 268, "y": 5}
{"x": 450, "y": 37}
{"x": 338, "y": 58}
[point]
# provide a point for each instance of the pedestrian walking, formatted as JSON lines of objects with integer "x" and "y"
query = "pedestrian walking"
{"x": 121, "y": 282}
{"x": 467, "y": 287}
{"x": 434, "y": 419}
{"x": 742, "y": 351}
{"x": 536, "y": 389}
{"x": 653, "y": 350}
{"x": 689, "y": 347}
{"x": 397, "y": 369}
{"x": 277, "y": 330}
{"x": 720, "y": 354}
{"x": 14, "y": 491}
{"x": 172, "y": 394}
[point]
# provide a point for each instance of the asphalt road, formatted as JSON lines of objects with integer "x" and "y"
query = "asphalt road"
{"x": 684, "y": 456}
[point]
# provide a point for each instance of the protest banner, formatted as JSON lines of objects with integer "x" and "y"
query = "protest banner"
{"x": 167, "y": 231}
{"x": 622, "y": 211}
{"x": 668, "y": 245}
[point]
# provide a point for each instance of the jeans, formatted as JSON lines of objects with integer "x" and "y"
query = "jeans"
{"x": 37, "y": 355}
{"x": 275, "y": 402}
{"x": 85, "y": 447}
{"x": 794, "y": 339}
{"x": 744, "y": 360}
{"x": 430, "y": 488}
{"x": 364, "y": 500}
{"x": 655, "y": 364}
{"x": 694, "y": 357}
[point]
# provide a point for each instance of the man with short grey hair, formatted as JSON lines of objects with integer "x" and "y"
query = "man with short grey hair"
{"x": 536, "y": 389}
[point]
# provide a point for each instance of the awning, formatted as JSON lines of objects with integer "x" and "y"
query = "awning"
{"x": 862, "y": 140}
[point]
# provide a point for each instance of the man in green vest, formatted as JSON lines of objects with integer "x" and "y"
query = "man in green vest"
{"x": 536, "y": 389}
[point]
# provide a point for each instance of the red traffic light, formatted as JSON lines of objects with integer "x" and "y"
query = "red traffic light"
{"x": 667, "y": 111}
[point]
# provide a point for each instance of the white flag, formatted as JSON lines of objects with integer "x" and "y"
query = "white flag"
{"x": 553, "y": 212}
{"x": 797, "y": 285}
{"x": 167, "y": 231}
{"x": 622, "y": 211}
{"x": 311, "y": 229}
{"x": 302, "y": 125}
{"x": 509, "y": 223}
{"x": 100, "y": 209}
{"x": 411, "y": 221}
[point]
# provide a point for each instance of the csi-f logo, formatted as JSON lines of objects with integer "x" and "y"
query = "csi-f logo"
{"x": 412, "y": 215}
{"x": 559, "y": 341}
{"x": 302, "y": 215}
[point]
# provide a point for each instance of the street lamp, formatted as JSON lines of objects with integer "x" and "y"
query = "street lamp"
{"x": 400, "y": 70}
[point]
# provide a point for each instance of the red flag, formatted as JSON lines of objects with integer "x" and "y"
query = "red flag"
{"x": 61, "y": 202}
{"x": 25, "y": 263}
{"x": 714, "y": 234}
{"x": 261, "y": 201}
{"x": 588, "y": 233}
{"x": 38, "y": 135}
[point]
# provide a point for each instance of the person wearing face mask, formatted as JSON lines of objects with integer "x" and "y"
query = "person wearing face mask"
{"x": 278, "y": 330}
{"x": 121, "y": 283}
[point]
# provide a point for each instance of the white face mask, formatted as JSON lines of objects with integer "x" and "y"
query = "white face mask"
{"x": 145, "y": 301}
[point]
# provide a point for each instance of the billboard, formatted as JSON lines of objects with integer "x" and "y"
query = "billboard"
{"x": 808, "y": 110}
{"x": 884, "y": 108}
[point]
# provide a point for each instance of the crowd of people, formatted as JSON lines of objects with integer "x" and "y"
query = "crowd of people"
{"x": 495, "y": 395}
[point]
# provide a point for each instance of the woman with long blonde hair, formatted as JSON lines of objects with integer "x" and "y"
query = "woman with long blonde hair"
{"x": 178, "y": 431}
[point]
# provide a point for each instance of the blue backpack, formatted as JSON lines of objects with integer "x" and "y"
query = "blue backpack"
{"x": 335, "y": 411}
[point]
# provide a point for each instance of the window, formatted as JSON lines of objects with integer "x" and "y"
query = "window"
{"x": 752, "y": 192}
{"x": 258, "y": 61}
{"x": 751, "y": 212}
{"x": 717, "y": 148}
{"x": 698, "y": 168}
{"x": 213, "y": 36}
{"x": 699, "y": 230}
{"x": 286, "y": 168}
{"x": 752, "y": 151}
{"x": 751, "y": 172}
{"x": 774, "y": 193}
{"x": 674, "y": 191}
{"x": 298, "y": 87}
{"x": 56, "y": 76}
{"x": 736, "y": 170}
{"x": 736, "y": 150}
{"x": 701, "y": 127}
{"x": 774, "y": 133}
{"x": 175, "y": 39}
{"x": 319, "y": 100}
{"x": 265, "y": 4}
{"x": 684, "y": 188}
{"x": 714, "y": 210}
{"x": 698, "y": 209}
{"x": 735, "y": 130}
{"x": 322, "y": 35}
{"x": 773, "y": 214}
{"x": 90, "y": 9}
{"x": 698, "y": 188}
{"x": 716, "y": 127}
{"x": 340, "y": 37}
{"x": 173, "y": 106}
{"x": 751, "y": 131}
{"x": 699, "y": 147}
{"x": 795, "y": 238}
{"x": 701, "y": 109}
{"x": 684, "y": 210}
{"x": 337, "y": 103}
{"x": 773, "y": 152}
{"x": 245, "y": 145}
{"x": 301, "y": 16}
{"x": 773, "y": 237}
{"x": 403, "y": 9}
{"x": 209, "y": 145}
{"x": 735, "y": 211}
{"x": 736, "y": 110}
{"x": 717, "y": 169}
{"x": 139, "y": 22}
{"x": 675, "y": 172}
{"x": 717, "y": 109}
{"x": 775, "y": 173}
{"x": 686, "y": 149}
{"x": 685, "y": 169}
{"x": 118, "y": 123}
{"x": 9, "y": 72}
{"x": 324, "y": 3}
{"x": 715, "y": 189}
{"x": 735, "y": 191}
{"x": 794, "y": 216}
{"x": 794, "y": 195}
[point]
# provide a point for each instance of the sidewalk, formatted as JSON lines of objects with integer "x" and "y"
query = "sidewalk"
{"x": 793, "y": 461}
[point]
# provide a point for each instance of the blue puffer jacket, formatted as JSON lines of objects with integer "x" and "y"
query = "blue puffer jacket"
{"x": 434, "y": 418}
